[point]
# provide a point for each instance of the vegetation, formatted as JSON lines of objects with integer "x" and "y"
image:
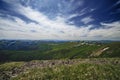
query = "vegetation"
{"x": 113, "y": 51}
{"x": 60, "y": 50}
{"x": 80, "y": 69}
{"x": 78, "y": 60}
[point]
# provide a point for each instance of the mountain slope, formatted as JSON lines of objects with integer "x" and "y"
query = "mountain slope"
{"x": 61, "y": 50}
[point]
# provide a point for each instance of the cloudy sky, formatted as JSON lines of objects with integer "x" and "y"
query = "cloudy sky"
{"x": 60, "y": 19}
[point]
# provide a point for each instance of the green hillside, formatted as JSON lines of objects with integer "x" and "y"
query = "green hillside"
{"x": 63, "y": 50}
{"x": 113, "y": 51}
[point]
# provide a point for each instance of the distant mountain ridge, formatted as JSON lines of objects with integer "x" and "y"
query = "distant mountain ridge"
{"x": 25, "y": 50}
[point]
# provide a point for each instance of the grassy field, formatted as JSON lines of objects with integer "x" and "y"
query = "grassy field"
{"x": 76, "y": 69}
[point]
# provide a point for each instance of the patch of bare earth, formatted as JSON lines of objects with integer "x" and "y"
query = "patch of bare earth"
{"x": 99, "y": 52}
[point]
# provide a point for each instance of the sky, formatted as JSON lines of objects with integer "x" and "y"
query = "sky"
{"x": 60, "y": 19}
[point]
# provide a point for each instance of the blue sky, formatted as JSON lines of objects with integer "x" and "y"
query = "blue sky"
{"x": 60, "y": 19}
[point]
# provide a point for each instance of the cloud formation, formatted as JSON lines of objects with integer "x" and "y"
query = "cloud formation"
{"x": 42, "y": 27}
{"x": 87, "y": 20}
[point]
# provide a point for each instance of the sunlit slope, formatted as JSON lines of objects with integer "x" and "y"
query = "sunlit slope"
{"x": 112, "y": 51}
{"x": 63, "y": 50}
{"x": 75, "y": 51}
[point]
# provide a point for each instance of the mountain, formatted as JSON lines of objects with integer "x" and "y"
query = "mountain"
{"x": 26, "y": 50}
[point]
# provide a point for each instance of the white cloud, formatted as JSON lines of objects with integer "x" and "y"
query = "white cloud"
{"x": 70, "y": 5}
{"x": 109, "y": 31}
{"x": 118, "y": 2}
{"x": 87, "y": 20}
{"x": 91, "y": 10}
{"x": 54, "y": 29}
{"x": 73, "y": 15}
{"x": 18, "y": 29}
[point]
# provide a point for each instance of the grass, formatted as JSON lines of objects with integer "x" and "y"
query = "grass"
{"x": 75, "y": 72}
{"x": 113, "y": 51}
{"x": 7, "y": 69}
{"x": 83, "y": 69}
{"x": 10, "y": 65}
{"x": 82, "y": 51}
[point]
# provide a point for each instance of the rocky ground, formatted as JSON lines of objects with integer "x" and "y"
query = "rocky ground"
{"x": 6, "y": 74}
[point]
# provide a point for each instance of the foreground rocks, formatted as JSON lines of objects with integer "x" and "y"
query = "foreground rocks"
{"x": 14, "y": 71}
